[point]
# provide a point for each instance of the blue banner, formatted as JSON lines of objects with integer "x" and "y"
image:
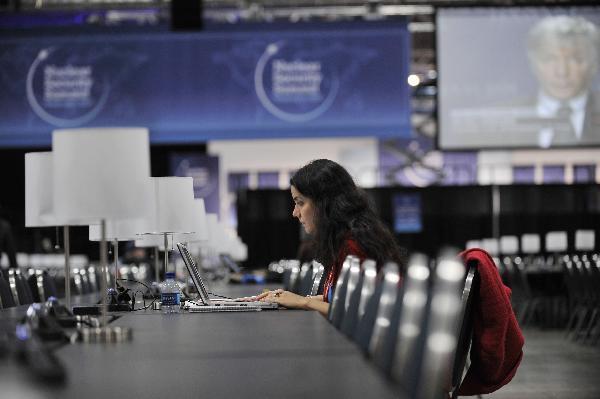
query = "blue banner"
{"x": 407, "y": 213}
{"x": 343, "y": 80}
{"x": 204, "y": 169}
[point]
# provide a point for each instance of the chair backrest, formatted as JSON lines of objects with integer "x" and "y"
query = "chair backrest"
{"x": 364, "y": 327}
{"x": 465, "y": 335}
{"x": 85, "y": 281}
{"x": 317, "y": 277}
{"x": 94, "y": 283}
{"x": 442, "y": 328}
{"x": 353, "y": 298}
{"x": 556, "y": 241}
{"x": 49, "y": 285}
{"x": 22, "y": 287}
{"x": 585, "y": 240}
{"x": 76, "y": 282}
{"x": 294, "y": 266}
{"x": 305, "y": 279}
{"x": 381, "y": 346}
{"x": 530, "y": 244}
{"x": 6, "y": 296}
{"x": 37, "y": 290}
{"x": 353, "y": 277}
{"x": 369, "y": 274}
{"x": 337, "y": 306}
{"x": 12, "y": 282}
{"x": 491, "y": 245}
{"x": 411, "y": 325}
{"x": 509, "y": 245}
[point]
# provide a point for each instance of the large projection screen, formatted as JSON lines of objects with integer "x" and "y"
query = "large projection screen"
{"x": 519, "y": 77}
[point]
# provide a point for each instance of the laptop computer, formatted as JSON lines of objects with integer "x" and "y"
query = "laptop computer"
{"x": 204, "y": 303}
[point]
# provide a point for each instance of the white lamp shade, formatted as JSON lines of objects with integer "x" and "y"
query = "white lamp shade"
{"x": 100, "y": 173}
{"x": 123, "y": 230}
{"x": 38, "y": 190}
{"x": 198, "y": 217}
{"x": 147, "y": 241}
{"x": 240, "y": 250}
{"x": 174, "y": 199}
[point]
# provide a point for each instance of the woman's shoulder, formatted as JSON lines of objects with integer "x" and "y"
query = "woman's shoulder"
{"x": 351, "y": 247}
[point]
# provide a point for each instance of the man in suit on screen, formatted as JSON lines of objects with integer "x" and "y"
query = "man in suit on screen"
{"x": 563, "y": 53}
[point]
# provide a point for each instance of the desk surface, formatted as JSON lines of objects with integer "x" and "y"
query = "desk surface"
{"x": 278, "y": 354}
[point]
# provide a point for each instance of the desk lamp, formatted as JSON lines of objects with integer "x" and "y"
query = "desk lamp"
{"x": 39, "y": 210}
{"x": 124, "y": 230}
{"x": 155, "y": 242}
{"x": 100, "y": 175}
{"x": 173, "y": 206}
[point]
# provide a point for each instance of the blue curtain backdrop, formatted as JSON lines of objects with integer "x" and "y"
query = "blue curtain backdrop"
{"x": 315, "y": 80}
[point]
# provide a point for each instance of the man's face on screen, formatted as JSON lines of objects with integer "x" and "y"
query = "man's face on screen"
{"x": 564, "y": 68}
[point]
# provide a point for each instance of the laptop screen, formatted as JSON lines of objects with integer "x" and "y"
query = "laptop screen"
{"x": 194, "y": 273}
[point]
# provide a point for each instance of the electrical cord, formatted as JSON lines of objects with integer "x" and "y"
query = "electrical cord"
{"x": 149, "y": 290}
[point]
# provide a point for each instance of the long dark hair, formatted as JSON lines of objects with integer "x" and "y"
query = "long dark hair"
{"x": 343, "y": 210}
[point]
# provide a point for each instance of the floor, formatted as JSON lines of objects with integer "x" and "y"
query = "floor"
{"x": 554, "y": 368}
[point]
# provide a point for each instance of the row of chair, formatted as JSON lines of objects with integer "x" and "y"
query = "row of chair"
{"x": 555, "y": 242}
{"x": 556, "y": 291}
{"x": 416, "y": 331}
{"x": 25, "y": 286}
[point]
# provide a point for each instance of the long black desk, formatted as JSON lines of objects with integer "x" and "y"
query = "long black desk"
{"x": 278, "y": 354}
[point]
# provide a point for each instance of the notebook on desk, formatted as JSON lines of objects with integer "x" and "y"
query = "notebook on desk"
{"x": 204, "y": 303}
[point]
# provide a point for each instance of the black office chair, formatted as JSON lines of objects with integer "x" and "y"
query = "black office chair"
{"x": 305, "y": 280}
{"x": 369, "y": 273}
{"x": 441, "y": 333}
{"x": 6, "y": 296}
{"x": 294, "y": 272}
{"x": 353, "y": 288}
{"x": 20, "y": 287}
{"x": 351, "y": 317}
{"x": 412, "y": 323}
{"x": 318, "y": 279}
{"x": 465, "y": 336}
{"x": 49, "y": 285}
{"x": 383, "y": 339}
{"x": 85, "y": 281}
{"x": 36, "y": 288}
{"x": 337, "y": 307}
{"x": 366, "y": 322}
{"x": 94, "y": 281}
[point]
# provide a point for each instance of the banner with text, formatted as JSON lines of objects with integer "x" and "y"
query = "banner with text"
{"x": 342, "y": 80}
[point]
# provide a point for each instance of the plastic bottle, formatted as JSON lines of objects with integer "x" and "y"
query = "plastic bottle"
{"x": 170, "y": 294}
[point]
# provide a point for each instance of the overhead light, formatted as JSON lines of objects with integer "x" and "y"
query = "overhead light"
{"x": 413, "y": 80}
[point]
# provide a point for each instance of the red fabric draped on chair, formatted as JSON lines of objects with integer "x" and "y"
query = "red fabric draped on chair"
{"x": 497, "y": 347}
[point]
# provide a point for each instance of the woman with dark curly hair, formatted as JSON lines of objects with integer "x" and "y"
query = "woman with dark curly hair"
{"x": 342, "y": 221}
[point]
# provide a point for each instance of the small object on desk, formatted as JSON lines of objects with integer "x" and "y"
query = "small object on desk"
{"x": 105, "y": 335}
{"x": 157, "y": 305}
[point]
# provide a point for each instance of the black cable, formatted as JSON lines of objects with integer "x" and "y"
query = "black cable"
{"x": 145, "y": 307}
{"x": 135, "y": 281}
{"x": 144, "y": 299}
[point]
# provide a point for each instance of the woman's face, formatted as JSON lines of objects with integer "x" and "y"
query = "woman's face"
{"x": 304, "y": 210}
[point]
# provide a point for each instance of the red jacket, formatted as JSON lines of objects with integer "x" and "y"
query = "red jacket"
{"x": 497, "y": 347}
{"x": 349, "y": 247}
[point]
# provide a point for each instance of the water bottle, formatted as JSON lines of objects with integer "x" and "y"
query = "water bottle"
{"x": 169, "y": 294}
